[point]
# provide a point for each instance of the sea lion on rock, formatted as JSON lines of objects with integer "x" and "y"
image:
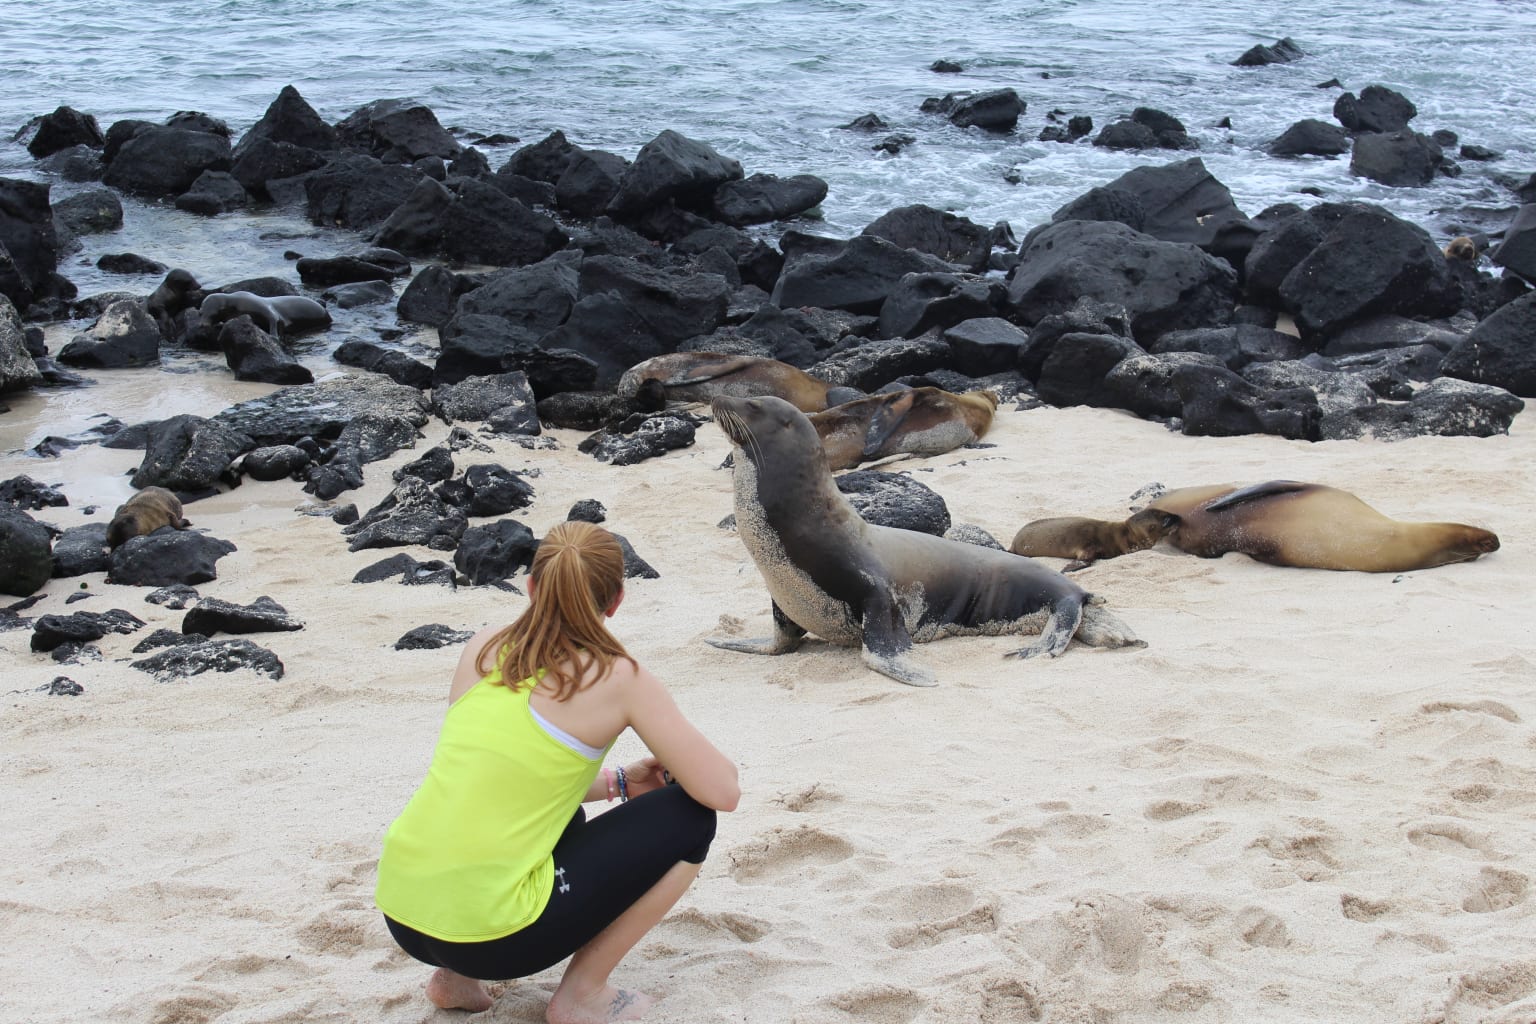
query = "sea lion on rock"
{"x": 1087, "y": 540}
{"x": 700, "y": 376}
{"x": 281, "y": 316}
{"x": 850, "y": 582}
{"x": 143, "y": 514}
{"x": 914, "y": 421}
{"x": 1284, "y": 522}
{"x": 1461, "y": 248}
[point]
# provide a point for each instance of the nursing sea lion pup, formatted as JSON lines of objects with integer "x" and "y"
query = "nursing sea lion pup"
{"x": 915, "y": 421}
{"x": 143, "y": 514}
{"x": 1086, "y": 541}
{"x": 700, "y": 376}
{"x": 1312, "y": 526}
{"x": 851, "y": 582}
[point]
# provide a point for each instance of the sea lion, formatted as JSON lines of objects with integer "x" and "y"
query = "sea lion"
{"x": 1087, "y": 540}
{"x": 281, "y": 316}
{"x": 178, "y": 291}
{"x": 700, "y": 376}
{"x": 1461, "y": 248}
{"x": 1284, "y": 522}
{"x": 144, "y": 513}
{"x": 915, "y": 421}
{"x": 851, "y": 582}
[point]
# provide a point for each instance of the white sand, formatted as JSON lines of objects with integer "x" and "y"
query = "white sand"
{"x": 1310, "y": 798}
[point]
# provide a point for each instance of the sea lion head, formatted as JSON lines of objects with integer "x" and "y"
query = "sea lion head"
{"x": 1461, "y": 248}
{"x": 124, "y": 527}
{"x": 768, "y": 430}
{"x": 1147, "y": 527}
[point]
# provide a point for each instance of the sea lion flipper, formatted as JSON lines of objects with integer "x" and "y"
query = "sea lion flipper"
{"x": 887, "y": 642}
{"x": 1066, "y": 617}
{"x": 1255, "y": 492}
{"x": 702, "y": 373}
{"x": 787, "y": 637}
{"x": 887, "y": 420}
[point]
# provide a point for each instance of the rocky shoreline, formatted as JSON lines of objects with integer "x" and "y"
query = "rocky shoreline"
{"x": 1152, "y": 293}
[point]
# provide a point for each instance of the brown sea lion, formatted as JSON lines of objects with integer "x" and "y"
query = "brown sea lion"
{"x": 1087, "y": 540}
{"x": 143, "y": 514}
{"x": 851, "y": 582}
{"x": 701, "y": 376}
{"x": 1461, "y": 248}
{"x": 915, "y": 421}
{"x": 1284, "y": 522}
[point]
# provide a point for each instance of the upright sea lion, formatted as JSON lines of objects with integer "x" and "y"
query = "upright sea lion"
{"x": 916, "y": 421}
{"x": 1284, "y": 522}
{"x": 144, "y": 513}
{"x": 281, "y": 316}
{"x": 700, "y": 376}
{"x": 1088, "y": 540}
{"x": 178, "y": 291}
{"x": 851, "y": 582}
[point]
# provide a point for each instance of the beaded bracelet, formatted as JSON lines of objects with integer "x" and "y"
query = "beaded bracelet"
{"x": 623, "y": 784}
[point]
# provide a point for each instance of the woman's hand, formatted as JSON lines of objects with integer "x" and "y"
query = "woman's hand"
{"x": 643, "y": 776}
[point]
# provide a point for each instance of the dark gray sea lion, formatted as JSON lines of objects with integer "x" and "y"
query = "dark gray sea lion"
{"x": 178, "y": 291}
{"x": 1284, "y": 522}
{"x": 281, "y": 316}
{"x": 915, "y": 421}
{"x": 701, "y": 376}
{"x": 143, "y": 514}
{"x": 850, "y": 582}
{"x": 1087, "y": 540}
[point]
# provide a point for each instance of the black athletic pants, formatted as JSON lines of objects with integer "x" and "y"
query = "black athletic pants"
{"x": 602, "y": 867}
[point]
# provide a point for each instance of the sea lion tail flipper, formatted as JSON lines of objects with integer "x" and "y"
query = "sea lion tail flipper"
{"x": 887, "y": 420}
{"x": 1066, "y": 617}
{"x": 1103, "y": 628}
{"x": 700, "y": 373}
{"x": 787, "y": 636}
{"x": 1255, "y": 492}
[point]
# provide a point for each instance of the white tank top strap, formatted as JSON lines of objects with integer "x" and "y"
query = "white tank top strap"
{"x": 561, "y": 736}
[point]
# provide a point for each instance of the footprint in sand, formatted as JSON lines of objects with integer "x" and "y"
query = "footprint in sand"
{"x": 1453, "y": 838}
{"x": 341, "y": 933}
{"x": 1259, "y": 927}
{"x": 1495, "y": 987}
{"x": 894, "y": 1003}
{"x": 1496, "y": 889}
{"x": 1481, "y": 707}
{"x": 195, "y": 1006}
{"x": 1183, "y": 997}
{"x": 1173, "y": 810}
{"x": 1363, "y": 908}
{"x": 277, "y": 970}
{"x": 937, "y": 912}
{"x": 1009, "y": 1001}
{"x": 696, "y": 923}
{"x": 783, "y": 852}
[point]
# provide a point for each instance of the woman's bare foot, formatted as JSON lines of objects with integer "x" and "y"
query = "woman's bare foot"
{"x": 450, "y": 991}
{"x": 607, "y": 1005}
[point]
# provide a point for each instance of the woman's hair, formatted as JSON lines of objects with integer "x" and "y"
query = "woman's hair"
{"x": 577, "y": 574}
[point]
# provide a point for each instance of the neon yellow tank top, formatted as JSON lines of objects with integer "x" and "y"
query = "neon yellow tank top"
{"x": 469, "y": 857}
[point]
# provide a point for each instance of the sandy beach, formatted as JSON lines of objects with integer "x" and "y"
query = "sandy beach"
{"x": 1306, "y": 799}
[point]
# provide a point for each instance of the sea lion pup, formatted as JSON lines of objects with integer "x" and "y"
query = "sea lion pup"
{"x": 1461, "y": 248}
{"x": 851, "y": 582}
{"x": 143, "y": 514}
{"x": 1085, "y": 541}
{"x": 1284, "y": 522}
{"x": 700, "y": 376}
{"x": 915, "y": 421}
{"x": 281, "y": 316}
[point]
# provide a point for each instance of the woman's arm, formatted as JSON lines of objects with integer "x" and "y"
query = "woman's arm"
{"x": 468, "y": 672}
{"x": 697, "y": 765}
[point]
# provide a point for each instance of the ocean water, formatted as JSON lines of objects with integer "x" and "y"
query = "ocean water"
{"x": 769, "y": 82}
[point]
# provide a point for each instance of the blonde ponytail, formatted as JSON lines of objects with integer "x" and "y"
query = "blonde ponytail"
{"x": 577, "y": 574}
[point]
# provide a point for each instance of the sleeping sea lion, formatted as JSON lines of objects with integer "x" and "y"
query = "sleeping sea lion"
{"x": 1087, "y": 540}
{"x": 281, "y": 316}
{"x": 700, "y": 376}
{"x": 916, "y": 421}
{"x": 143, "y": 514}
{"x": 1313, "y": 526}
{"x": 851, "y": 582}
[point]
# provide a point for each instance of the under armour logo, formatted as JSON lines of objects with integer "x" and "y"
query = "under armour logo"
{"x": 564, "y": 885}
